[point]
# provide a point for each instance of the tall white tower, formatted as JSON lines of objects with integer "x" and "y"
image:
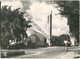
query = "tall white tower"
{"x": 49, "y": 27}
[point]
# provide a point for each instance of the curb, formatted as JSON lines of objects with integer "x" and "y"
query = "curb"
{"x": 36, "y": 53}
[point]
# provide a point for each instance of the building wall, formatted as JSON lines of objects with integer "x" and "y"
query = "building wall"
{"x": 72, "y": 39}
{"x": 37, "y": 38}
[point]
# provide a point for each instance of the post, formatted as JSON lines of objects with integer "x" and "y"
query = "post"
{"x": 50, "y": 26}
{"x": 66, "y": 42}
{"x": 66, "y": 45}
{"x": 79, "y": 39}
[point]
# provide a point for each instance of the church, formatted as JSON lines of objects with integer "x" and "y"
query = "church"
{"x": 36, "y": 36}
{"x": 36, "y": 39}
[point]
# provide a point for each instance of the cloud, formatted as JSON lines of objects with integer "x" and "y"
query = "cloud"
{"x": 14, "y": 4}
{"x": 40, "y": 12}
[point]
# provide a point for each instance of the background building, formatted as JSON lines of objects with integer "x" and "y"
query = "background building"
{"x": 36, "y": 39}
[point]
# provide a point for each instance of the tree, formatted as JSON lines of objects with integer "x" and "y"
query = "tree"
{"x": 59, "y": 40}
{"x": 55, "y": 41}
{"x": 13, "y": 25}
{"x": 70, "y": 9}
{"x": 64, "y": 37}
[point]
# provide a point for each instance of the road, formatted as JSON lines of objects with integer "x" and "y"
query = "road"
{"x": 47, "y": 52}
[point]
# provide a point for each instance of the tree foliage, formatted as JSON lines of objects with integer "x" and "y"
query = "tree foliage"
{"x": 70, "y": 9}
{"x": 55, "y": 41}
{"x": 13, "y": 25}
{"x": 59, "y": 40}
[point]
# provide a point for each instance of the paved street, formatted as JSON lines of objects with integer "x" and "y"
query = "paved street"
{"x": 48, "y": 52}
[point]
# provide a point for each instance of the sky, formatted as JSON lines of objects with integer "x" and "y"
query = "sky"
{"x": 39, "y": 12}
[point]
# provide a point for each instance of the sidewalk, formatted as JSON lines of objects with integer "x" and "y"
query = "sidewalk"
{"x": 69, "y": 54}
{"x": 77, "y": 53}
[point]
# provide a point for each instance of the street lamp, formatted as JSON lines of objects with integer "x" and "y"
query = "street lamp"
{"x": 66, "y": 45}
